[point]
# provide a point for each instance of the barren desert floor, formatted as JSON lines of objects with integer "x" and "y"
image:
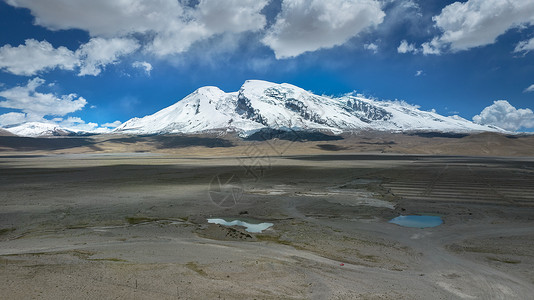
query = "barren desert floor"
{"x": 134, "y": 226}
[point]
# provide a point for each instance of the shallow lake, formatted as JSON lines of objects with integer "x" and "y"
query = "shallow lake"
{"x": 249, "y": 227}
{"x": 417, "y": 221}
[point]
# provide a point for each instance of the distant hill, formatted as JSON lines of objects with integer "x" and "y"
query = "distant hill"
{"x": 38, "y": 129}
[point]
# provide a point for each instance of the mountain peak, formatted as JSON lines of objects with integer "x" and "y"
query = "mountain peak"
{"x": 35, "y": 129}
{"x": 261, "y": 104}
{"x": 260, "y": 86}
{"x": 210, "y": 91}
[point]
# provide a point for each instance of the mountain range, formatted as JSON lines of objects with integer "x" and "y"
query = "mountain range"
{"x": 36, "y": 129}
{"x": 261, "y": 105}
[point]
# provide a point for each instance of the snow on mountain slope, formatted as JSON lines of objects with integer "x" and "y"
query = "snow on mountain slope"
{"x": 261, "y": 104}
{"x": 287, "y": 106}
{"x": 4, "y": 132}
{"x": 206, "y": 108}
{"x": 400, "y": 116}
{"x": 35, "y": 129}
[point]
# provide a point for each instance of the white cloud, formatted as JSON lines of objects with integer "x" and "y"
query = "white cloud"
{"x": 371, "y": 47}
{"x": 231, "y": 15}
{"x": 34, "y": 57}
{"x": 36, "y": 104}
{"x": 504, "y": 115}
{"x": 112, "y": 124}
{"x": 167, "y": 26}
{"x": 75, "y": 124}
{"x": 177, "y": 39}
{"x": 309, "y": 25}
{"x": 99, "y": 52}
{"x": 103, "y": 17}
{"x": 529, "y": 89}
{"x": 209, "y": 18}
{"x": 12, "y": 118}
{"x": 432, "y": 47}
{"x": 404, "y": 47}
{"x": 147, "y": 67}
{"x": 477, "y": 23}
{"x": 525, "y": 46}
{"x": 418, "y": 73}
{"x": 405, "y": 13}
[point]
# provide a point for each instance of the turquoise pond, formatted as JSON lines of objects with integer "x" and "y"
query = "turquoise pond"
{"x": 417, "y": 221}
{"x": 249, "y": 227}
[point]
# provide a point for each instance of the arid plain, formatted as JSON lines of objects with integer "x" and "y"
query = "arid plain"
{"x": 125, "y": 217}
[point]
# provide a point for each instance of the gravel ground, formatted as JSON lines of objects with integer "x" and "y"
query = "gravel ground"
{"x": 134, "y": 226}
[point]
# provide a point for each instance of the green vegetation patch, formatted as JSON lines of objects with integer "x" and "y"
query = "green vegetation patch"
{"x": 139, "y": 220}
{"x": 504, "y": 260}
{"x": 6, "y": 231}
{"x": 193, "y": 266}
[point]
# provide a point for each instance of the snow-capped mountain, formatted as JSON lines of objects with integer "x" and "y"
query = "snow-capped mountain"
{"x": 261, "y": 104}
{"x": 35, "y": 129}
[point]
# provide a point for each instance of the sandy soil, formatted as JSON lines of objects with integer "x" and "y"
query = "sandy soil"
{"x": 134, "y": 225}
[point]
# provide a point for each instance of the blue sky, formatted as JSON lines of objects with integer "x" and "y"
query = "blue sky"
{"x": 88, "y": 64}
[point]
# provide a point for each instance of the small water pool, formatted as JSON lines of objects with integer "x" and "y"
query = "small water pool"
{"x": 417, "y": 221}
{"x": 249, "y": 227}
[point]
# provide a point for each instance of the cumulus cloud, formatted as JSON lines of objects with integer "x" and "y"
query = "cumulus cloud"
{"x": 371, "y": 47}
{"x": 34, "y": 57}
{"x": 112, "y": 124}
{"x": 231, "y": 15}
{"x": 168, "y": 26}
{"x": 147, "y": 67}
{"x": 35, "y": 104}
{"x": 405, "y": 13}
{"x": 529, "y": 89}
{"x": 103, "y": 17}
{"x": 309, "y": 25}
{"x": 404, "y": 47}
{"x": 504, "y": 115}
{"x": 12, "y": 118}
{"x": 475, "y": 23}
{"x": 177, "y": 39}
{"x": 77, "y": 124}
{"x": 432, "y": 47}
{"x": 525, "y": 46}
{"x": 207, "y": 19}
{"x": 99, "y": 52}
{"x": 74, "y": 124}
